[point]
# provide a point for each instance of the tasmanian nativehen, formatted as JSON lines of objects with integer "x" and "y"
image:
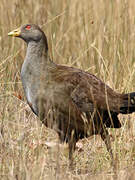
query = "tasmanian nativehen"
{"x": 75, "y": 103}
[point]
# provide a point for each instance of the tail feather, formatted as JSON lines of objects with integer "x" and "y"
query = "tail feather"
{"x": 128, "y": 103}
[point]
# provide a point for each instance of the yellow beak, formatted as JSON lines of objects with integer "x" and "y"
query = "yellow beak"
{"x": 15, "y": 32}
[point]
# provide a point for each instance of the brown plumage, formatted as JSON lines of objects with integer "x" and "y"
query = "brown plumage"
{"x": 75, "y": 103}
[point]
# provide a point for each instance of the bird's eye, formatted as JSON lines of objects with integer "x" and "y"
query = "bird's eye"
{"x": 28, "y": 27}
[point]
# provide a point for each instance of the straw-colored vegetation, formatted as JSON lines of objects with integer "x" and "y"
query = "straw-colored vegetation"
{"x": 97, "y": 36}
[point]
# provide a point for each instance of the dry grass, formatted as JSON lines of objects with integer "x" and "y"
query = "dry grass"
{"x": 97, "y": 36}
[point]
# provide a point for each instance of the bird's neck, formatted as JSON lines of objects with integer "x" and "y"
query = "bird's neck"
{"x": 37, "y": 53}
{"x": 36, "y": 49}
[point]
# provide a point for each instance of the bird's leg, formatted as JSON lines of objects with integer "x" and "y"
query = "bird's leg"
{"x": 106, "y": 138}
{"x": 72, "y": 144}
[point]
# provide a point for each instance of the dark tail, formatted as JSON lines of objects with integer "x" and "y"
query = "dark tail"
{"x": 128, "y": 103}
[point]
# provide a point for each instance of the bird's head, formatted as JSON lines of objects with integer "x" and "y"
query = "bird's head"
{"x": 29, "y": 32}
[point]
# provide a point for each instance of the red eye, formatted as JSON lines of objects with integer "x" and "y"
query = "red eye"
{"x": 28, "y": 27}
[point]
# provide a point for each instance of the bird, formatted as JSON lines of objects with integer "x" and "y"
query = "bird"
{"x": 75, "y": 103}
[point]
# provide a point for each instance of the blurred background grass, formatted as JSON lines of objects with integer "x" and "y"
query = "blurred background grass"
{"x": 96, "y": 36}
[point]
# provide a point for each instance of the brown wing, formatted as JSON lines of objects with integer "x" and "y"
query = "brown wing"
{"x": 86, "y": 90}
{"x": 89, "y": 94}
{"x": 90, "y": 107}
